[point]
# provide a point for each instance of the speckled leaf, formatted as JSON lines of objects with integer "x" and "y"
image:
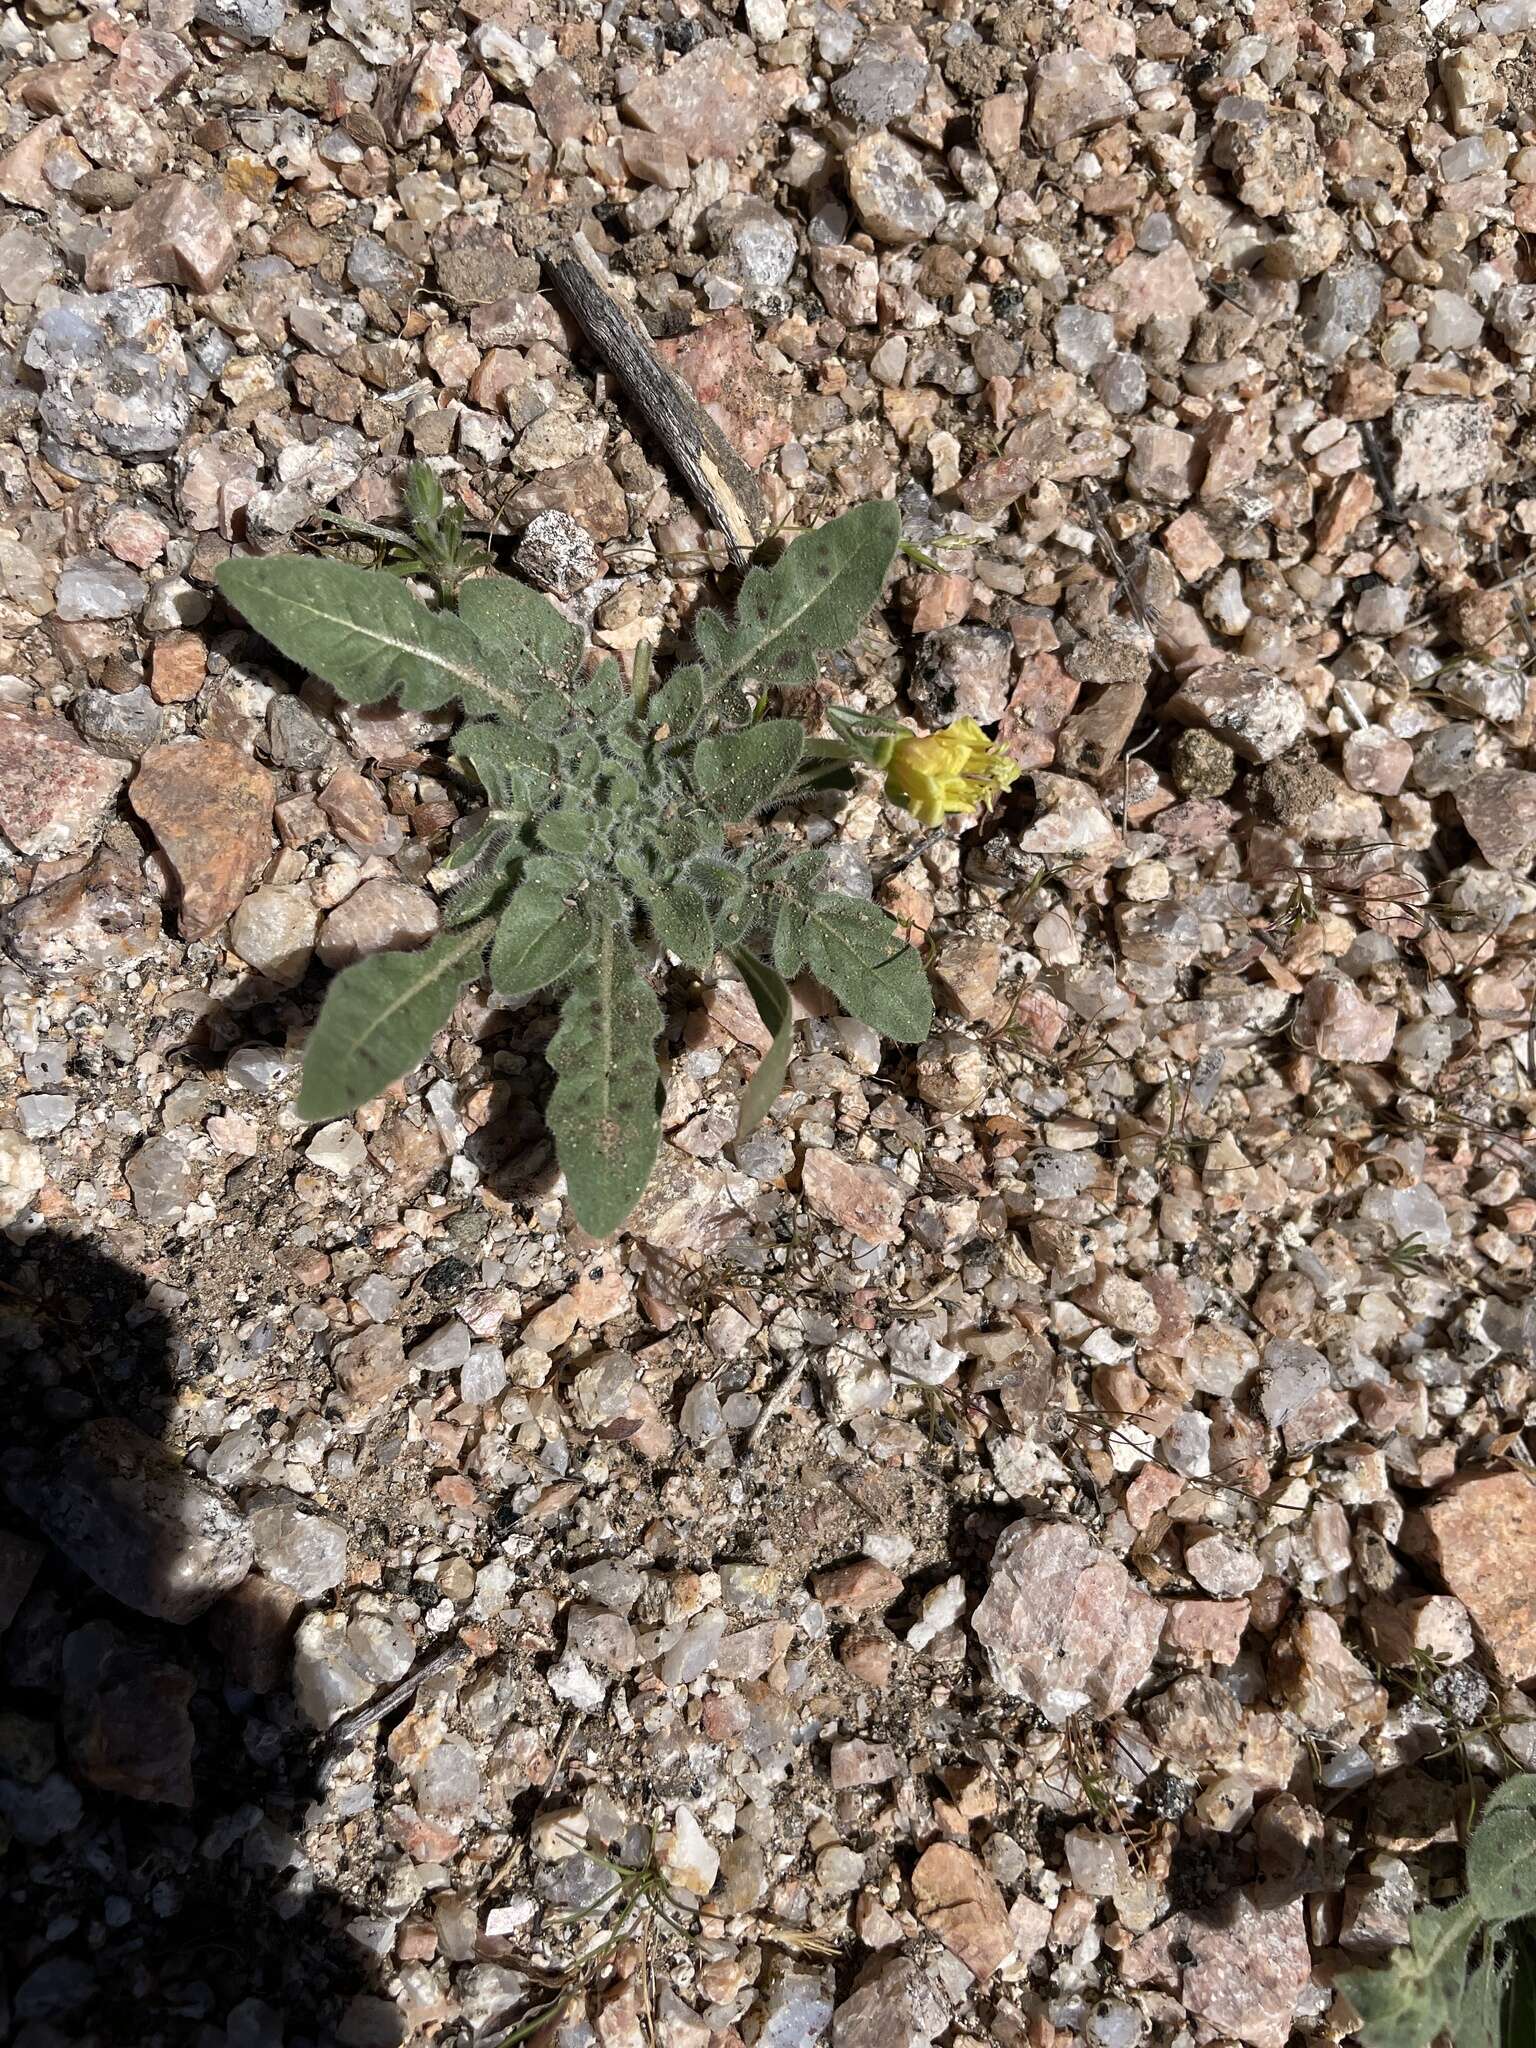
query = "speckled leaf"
{"x": 541, "y": 936}
{"x": 568, "y": 830}
{"x": 742, "y": 772}
{"x": 680, "y": 919}
{"x": 487, "y": 863}
{"x": 380, "y": 1018}
{"x": 515, "y": 768}
{"x": 1501, "y": 1855}
{"x": 1410, "y": 2001}
{"x": 362, "y": 632}
{"x": 605, "y": 1111}
{"x": 522, "y": 631}
{"x": 1479, "y": 2021}
{"x": 855, "y": 950}
{"x": 813, "y": 599}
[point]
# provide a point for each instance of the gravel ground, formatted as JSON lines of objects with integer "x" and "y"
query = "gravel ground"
{"x": 1035, "y": 1545}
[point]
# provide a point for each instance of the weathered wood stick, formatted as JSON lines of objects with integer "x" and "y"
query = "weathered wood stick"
{"x": 344, "y": 1733}
{"x": 719, "y": 480}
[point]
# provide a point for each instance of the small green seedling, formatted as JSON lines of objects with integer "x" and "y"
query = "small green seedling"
{"x": 612, "y": 829}
{"x": 1467, "y": 1968}
{"x": 434, "y": 545}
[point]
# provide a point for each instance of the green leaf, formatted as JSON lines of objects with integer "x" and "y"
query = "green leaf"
{"x": 679, "y": 703}
{"x": 515, "y": 768}
{"x": 813, "y": 599}
{"x": 535, "y": 643}
{"x": 741, "y": 772}
{"x": 622, "y": 789}
{"x": 604, "y": 692}
{"x": 545, "y": 712}
{"x": 1417, "y": 1995}
{"x": 727, "y": 889}
{"x": 605, "y": 1111}
{"x": 1479, "y": 2016}
{"x": 855, "y": 950}
{"x": 380, "y": 1018}
{"x": 1501, "y": 1854}
{"x": 568, "y": 830}
{"x": 488, "y": 862}
{"x": 679, "y": 917}
{"x": 791, "y": 938}
{"x": 824, "y": 766}
{"x": 771, "y": 997}
{"x": 540, "y": 937}
{"x": 423, "y": 494}
{"x": 363, "y": 633}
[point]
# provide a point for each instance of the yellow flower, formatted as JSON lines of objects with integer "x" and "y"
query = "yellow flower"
{"x": 957, "y": 769}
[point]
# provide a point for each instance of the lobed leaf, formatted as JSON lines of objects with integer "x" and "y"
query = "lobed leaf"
{"x": 528, "y": 637}
{"x": 541, "y": 936}
{"x": 362, "y": 632}
{"x": 605, "y": 1111}
{"x": 854, "y": 950}
{"x": 380, "y": 1018}
{"x": 742, "y": 772}
{"x": 772, "y": 1000}
{"x": 813, "y": 599}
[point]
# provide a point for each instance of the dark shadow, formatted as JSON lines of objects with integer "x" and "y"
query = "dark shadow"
{"x": 149, "y": 1795}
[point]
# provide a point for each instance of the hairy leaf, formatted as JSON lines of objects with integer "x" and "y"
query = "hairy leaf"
{"x": 515, "y": 768}
{"x": 541, "y": 936}
{"x": 425, "y": 502}
{"x": 603, "y": 693}
{"x": 363, "y": 633}
{"x": 1501, "y": 1854}
{"x": 523, "y": 632}
{"x": 580, "y": 759}
{"x": 623, "y": 789}
{"x": 605, "y": 1111}
{"x": 545, "y": 712}
{"x": 488, "y": 861}
{"x": 791, "y": 939}
{"x": 1418, "y": 1993}
{"x": 771, "y": 997}
{"x": 570, "y": 829}
{"x": 741, "y": 772}
{"x": 813, "y": 599}
{"x": 727, "y": 889}
{"x": 853, "y": 949}
{"x": 679, "y": 916}
{"x": 477, "y": 845}
{"x": 381, "y": 1016}
{"x": 1480, "y": 2014}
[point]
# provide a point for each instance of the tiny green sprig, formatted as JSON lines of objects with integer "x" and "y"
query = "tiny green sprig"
{"x": 434, "y": 545}
{"x": 613, "y": 828}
